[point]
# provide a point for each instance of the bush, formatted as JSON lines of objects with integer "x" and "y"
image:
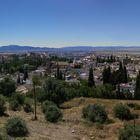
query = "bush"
{"x": 46, "y": 104}
{"x": 3, "y": 135}
{"x": 14, "y": 105}
{"x": 122, "y": 112}
{"x": 27, "y": 106}
{"x": 2, "y": 105}
{"x": 95, "y": 113}
{"x": 129, "y": 132}
{"x": 135, "y": 106}
{"x": 16, "y": 127}
{"x": 53, "y": 114}
{"x": 18, "y": 97}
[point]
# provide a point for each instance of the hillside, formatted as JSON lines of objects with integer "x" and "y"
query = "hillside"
{"x": 73, "y": 126}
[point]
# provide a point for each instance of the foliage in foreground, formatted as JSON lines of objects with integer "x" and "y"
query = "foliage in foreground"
{"x": 16, "y": 127}
{"x": 46, "y": 104}
{"x": 95, "y": 113}
{"x": 2, "y": 105}
{"x": 14, "y": 105}
{"x": 130, "y": 132}
{"x": 27, "y": 105}
{"x": 122, "y": 112}
{"x": 7, "y": 86}
{"x": 53, "y": 114}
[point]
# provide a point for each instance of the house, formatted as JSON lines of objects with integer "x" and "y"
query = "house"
{"x": 127, "y": 88}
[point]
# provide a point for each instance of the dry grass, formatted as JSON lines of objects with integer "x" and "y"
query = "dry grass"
{"x": 72, "y": 121}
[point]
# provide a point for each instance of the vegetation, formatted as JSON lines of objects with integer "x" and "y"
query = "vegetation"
{"x": 95, "y": 113}
{"x": 14, "y": 105}
{"x": 53, "y": 113}
{"x": 27, "y": 105}
{"x": 135, "y": 106}
{"x": 36, "y": 81}
{"x": 137, "y": 89}
{"x": 115, "y": 77}
{"x": 91, "y": 82}
{"x": 107, "y": 76}
{"x": 130, "y": 132}
{"x": 18, "y": 97}
{"x": 54, "y": 91}
{"x": 16, "y": 101}
{"x": 2, "y": 105}
{"x": 7, "y": 86}
{"x": 16, "y": 127}
{"x": 122, "y": 112}
{"x": 46, "y": 104}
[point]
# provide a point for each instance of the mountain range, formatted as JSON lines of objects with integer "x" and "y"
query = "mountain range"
{"x": 17, "y": 48}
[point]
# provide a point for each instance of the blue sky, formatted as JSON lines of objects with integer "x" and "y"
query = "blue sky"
{"x": 59, "y": 23}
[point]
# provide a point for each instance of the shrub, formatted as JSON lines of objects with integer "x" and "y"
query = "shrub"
{"x": 122, "y": 112}
{"x": 53, "y": 114}
{"x": 18, "y": 97}
{"x": 129, "y": 132}
{"x": 16, "y": 127}
{"x": 95, "y": 113}
{"x": 46, "y": 104}
{"x": 2, "y": 105}
{"x": 27, "y": 106}
{"x": 14, "y": 105}
{"x": 3, "y": 135}
{"x": 131, "y": 105}
{"x": 135, "y": 106}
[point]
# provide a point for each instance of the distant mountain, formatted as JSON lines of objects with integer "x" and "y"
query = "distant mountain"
{"x": 101, "y": 48}
{"x": 17, "y": 48}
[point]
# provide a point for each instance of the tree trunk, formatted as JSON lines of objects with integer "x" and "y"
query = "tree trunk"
{"x": 35, "y": 116}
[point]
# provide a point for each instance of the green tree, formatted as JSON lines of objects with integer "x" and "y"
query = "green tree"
{"x": 107, "y": 76}
{"x": 54, "y": 91}
{"x": 25, "y": 74}
{"x": 125, "y": 75}
{"x": 7, "y": 86}
{"x": 36, "y": 81}
{"x": 18, "y": 79}
{"x": 60, "y": 75}
{"x": 91, "y": 82}
{"x": 58, "y": 72}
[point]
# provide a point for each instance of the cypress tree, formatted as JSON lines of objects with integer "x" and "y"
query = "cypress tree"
{"x": 120, "y": 73}
{"x": 91, "y": 82}
{"x": 125, "y": 76}
{"x": 58, "y": 72}
{"x": 107, "y": 75}
{"x": 25, "y": 74}
{"x": 60, "y": 76}
{"x": 18, "y": 79}
{"x": 137, "y": 89}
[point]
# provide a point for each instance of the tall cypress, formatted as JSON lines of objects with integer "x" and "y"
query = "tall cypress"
{"x": 58, "y": 72}
{"x": 91, "y": 81}
{"x": 120, "y": 73}
{"x": 107, "y": 75}
{"x": 137, "y": 88}
{"x": 125, "y": 76}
